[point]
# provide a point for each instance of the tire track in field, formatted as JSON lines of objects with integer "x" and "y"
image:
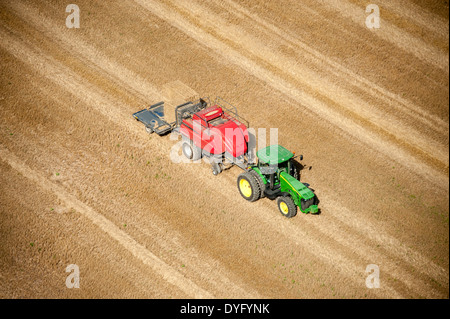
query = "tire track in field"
{"x": 391, "y": 33}
{"x": 140, "y": 252}
{"x": 312, "y": 80}
{"x": 316, "y": 240}
{"x": 364, "y": 250}
{"x": 289, "y": 39}
{"x": 299, "y": 239}
{"x": 111, "y": 109}
{"x": 358, "y": 132}
{"x": 131, "y": 81}
{"x": 72, "y": 83}
{"x": 82, "y": 53}
{"x": 394, "y": 258}
{"x": 121, "y": 76}
{"x": 358, "y": 237}
{"x": 419, "y": 16}
{"x": 343, "y": 215}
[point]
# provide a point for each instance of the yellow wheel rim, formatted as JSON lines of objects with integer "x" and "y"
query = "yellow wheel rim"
{"x": 245, "y": 188}
{"x": 284, "y": 208}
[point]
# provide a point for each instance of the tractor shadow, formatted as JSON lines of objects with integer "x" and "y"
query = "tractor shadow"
{"x": 301, "y": 168}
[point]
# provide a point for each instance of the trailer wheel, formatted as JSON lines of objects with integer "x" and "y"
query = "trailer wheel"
{"x": 248, "y": 187}
{"x": 286, "y": 206}
{"x": 191, "y": 152}
{"x": 216, "y": 168}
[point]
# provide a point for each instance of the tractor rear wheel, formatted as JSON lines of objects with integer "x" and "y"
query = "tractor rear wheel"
{"x": 261, "y": 184}
{"x": 286, "y": 206}
{"x": 248, "y": 187}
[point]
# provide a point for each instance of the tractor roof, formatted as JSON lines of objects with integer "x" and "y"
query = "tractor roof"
{"x": 274, "y": 154}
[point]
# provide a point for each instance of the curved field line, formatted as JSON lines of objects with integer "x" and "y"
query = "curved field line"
{"x": 396, "y": 263}
{"x": 140, "y": 252}
{"x": 439, "y": 272}
{"x": 311, "y": 103}
{"x": 421, "y": 17}
{"x": 349, "y": 268}
{"x": 312, "y": 80}
{"x": 72, "y": 83}
{"x": 299, "y": 238}
{"x": 286, "y": 37}
{"x": 130, "y": 80}
{"x": 393, "y": 34}
{"x": 366, "y": 230}
{"x": 111, "y": 109}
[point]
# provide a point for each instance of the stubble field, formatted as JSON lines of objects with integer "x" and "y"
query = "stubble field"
{"x": 81, "y": 182}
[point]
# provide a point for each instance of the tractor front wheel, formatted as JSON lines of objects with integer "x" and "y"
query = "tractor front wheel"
{"x": 286, "y": 206}
{"x": 248, "y": 187}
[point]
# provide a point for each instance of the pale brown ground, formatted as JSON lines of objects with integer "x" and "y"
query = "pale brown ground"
{"x": 82, "y": 183}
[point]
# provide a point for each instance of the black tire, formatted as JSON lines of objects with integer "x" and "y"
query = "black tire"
{"x": 191, "y": 152}
{"x": 248, "y": 187}
{"x": 286, "y": 206}
{"x": 261, "y": 184}
{"x": 216, "y": 168}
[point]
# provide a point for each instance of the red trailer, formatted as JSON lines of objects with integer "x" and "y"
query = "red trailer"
{"x": 213, "y": 130}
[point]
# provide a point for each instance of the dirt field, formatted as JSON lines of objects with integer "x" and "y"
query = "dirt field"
{"x": 81, "y": 182}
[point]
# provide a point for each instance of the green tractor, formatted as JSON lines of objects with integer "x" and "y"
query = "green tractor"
{"x": 275, "y": 176}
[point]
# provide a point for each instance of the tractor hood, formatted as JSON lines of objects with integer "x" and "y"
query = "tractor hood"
{"x": 296, "y": 186}
{"x": 305, "y": 199}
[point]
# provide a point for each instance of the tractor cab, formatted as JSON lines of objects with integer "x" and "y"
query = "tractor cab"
{"x": 273, "y": 160}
